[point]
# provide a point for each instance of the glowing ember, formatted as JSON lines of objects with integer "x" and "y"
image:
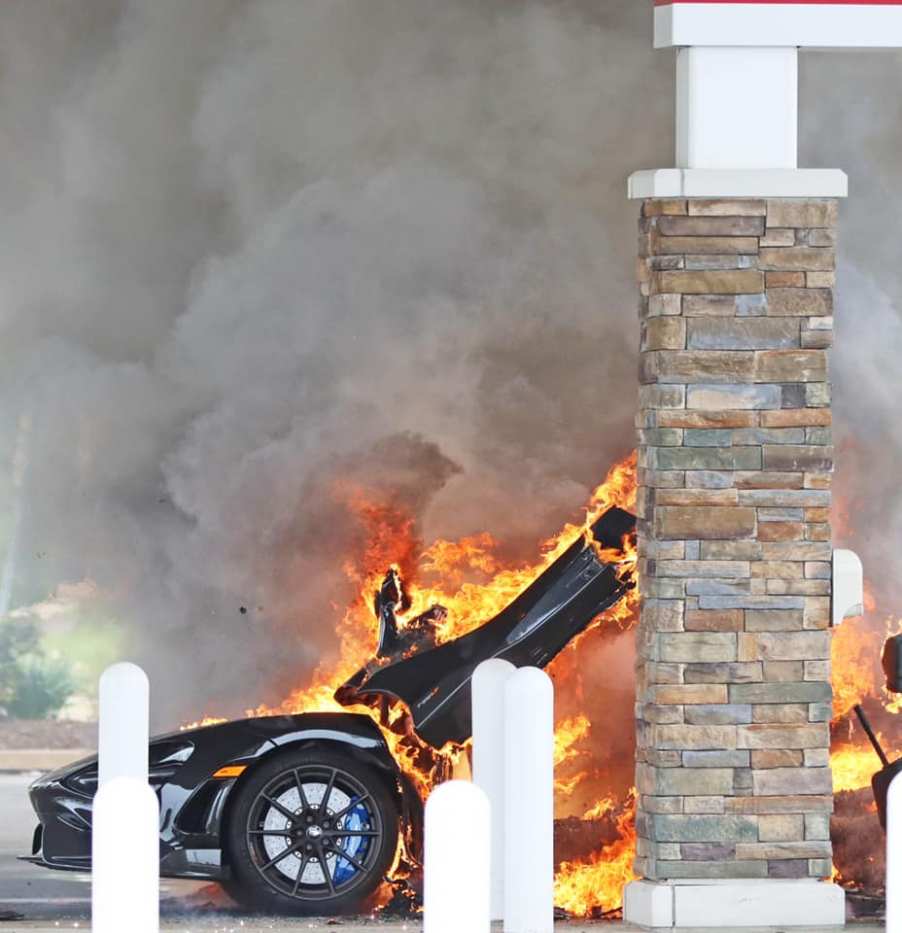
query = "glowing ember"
{"x": 600, "y": 808}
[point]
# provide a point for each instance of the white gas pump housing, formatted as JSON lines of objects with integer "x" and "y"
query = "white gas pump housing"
{"x": 848, "y": 586}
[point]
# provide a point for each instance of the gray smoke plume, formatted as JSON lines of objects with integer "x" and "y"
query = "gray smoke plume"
{"x": 258, "y": 253}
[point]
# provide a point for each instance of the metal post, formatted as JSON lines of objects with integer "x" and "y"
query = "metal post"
{"x": 456, "y": 863}
{"x": 529, "y": 802}
{"x": 488, "y": 761}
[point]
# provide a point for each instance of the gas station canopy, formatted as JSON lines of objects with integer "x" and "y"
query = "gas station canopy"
{"x": 801, "y": 23}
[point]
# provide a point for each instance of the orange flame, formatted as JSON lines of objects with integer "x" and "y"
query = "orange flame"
{"x": 853, "y": 766}
{"x": 596, "y": 885}
{"x": 473, "y": 584}
{"x": 857, "y": 676}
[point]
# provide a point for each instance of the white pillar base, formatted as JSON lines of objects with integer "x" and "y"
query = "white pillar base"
{"x": 734, "y": 903}
{"x": 739, "y": 183}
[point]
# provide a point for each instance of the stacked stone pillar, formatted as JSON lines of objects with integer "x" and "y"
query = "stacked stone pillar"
{"x": 735, "y": 461}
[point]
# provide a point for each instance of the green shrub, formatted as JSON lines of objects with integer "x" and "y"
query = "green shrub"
{"x": 31, "y": 685}
{"x": 43, "y": 688}
{"x": 18, "y": 639}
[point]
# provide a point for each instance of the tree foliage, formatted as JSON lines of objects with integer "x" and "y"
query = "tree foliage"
{"x": 32, "y": 685}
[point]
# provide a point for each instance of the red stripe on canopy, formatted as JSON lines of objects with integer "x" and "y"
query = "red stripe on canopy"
{"x": 786, "y": 2}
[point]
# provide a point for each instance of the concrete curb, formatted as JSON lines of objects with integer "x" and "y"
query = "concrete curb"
{"x": 39, "y": 759}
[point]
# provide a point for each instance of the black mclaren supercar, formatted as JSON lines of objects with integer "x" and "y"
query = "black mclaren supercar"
{"x": 303, "y": 814}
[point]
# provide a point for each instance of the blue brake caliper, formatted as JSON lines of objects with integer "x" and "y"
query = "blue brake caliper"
{"x": 355, "y": 846}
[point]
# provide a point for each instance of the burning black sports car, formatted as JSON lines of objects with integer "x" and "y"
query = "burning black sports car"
{"x": 303, "y": 813}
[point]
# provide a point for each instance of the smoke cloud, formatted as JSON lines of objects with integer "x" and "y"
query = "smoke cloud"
{"x": 256, "y": 253}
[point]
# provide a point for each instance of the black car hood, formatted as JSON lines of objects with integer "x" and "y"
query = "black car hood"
{"x": 434, "y": 683}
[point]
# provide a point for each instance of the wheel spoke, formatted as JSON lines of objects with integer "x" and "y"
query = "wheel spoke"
{"x": 324, "y": 803}
{"x": 269, "y": 832}
{"x": 324, "y": 862}
{"x": 303, "y": 796}
{"x": 342, "y": 833}
{"x": 350, "y": 858}
{"x": 305, "y": 861}
{"x": 283, "y": 854}
{"x": 350, "y": 806}
{"x": 291, "y": 817}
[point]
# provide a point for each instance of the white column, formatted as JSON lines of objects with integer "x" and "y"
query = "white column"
{"x": 123, "y": 730}
{"x": 456, "y": 860}
{"x": 737, "y": 108}
{"x": 894, "y": 856}
{"x": 125, "y": 841}
{"x": 488, "y": 761}
{"x": 848, "y": 586}
{"x": 529, "y": 802}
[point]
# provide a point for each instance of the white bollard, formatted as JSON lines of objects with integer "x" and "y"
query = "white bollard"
{"x": 125, "y": 882}
{"x": 529, "y": 802}
{"x": 487, "y": 687}
{"x": 124, "y": 723}
{"x": 894, "y": 855}
{"x": 456, "y": 860}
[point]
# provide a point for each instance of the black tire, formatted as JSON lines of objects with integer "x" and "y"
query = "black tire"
{"x": 311, "y": 832}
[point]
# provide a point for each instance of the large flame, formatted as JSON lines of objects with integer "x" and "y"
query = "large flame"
{"x": 597, "y": 883}
{"x": 857, "y": 678}
{"x": 474, "y": 584}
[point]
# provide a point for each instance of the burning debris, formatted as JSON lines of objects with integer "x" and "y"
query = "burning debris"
{"x": 432, "y": 681}
{"x": 454, "y": 594}
{"x": 858, "y": 856}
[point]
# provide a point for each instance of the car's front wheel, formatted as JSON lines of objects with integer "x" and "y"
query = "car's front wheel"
{"x": 311, "y": 832}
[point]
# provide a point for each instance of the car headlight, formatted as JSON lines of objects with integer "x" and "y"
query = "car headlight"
{"x": 164, "y": 759}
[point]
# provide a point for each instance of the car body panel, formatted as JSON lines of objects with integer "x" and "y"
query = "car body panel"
{"x": 434, "y": 683}
{"x": 193, "y": 803}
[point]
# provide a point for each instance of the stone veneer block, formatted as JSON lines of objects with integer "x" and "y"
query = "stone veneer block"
{"x": 735, "y": 461}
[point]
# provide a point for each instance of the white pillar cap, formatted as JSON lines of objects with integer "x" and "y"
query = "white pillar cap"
{"x": 855, "y": 24}
{"x": 739, "y": 183}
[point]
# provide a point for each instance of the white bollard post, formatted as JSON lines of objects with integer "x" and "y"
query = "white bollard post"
{"x": 125, "y": 832}
{"x": 124, "y": 723}
{"x": 487, "y": 687}
{"x": 894, "y": 855}
{"x": 529, "y": 802}
{"x": 456, "y": 860}
{"x": 126, "y": 858}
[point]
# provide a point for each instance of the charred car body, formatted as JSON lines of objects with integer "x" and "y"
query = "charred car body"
{"x": 303, "y": 813}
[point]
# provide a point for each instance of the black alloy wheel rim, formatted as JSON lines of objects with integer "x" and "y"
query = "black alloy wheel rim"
{"x": 315, "y": 831}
